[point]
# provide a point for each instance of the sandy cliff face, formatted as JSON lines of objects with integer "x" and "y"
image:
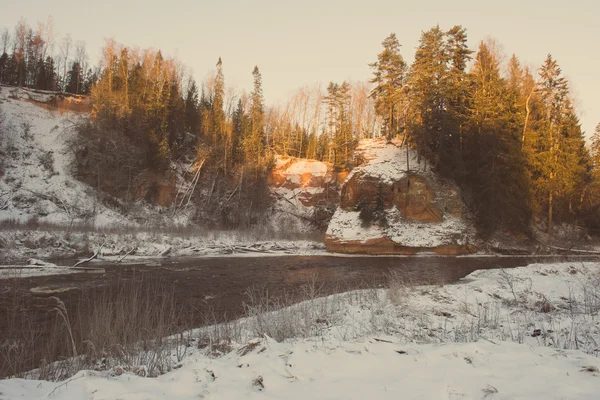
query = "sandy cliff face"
{"x": 393, "y": 204}
{"x": 306, "y": 192}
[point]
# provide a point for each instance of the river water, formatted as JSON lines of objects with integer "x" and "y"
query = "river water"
{"x": 221, "y": 282}
{"x": 212, "y": 290}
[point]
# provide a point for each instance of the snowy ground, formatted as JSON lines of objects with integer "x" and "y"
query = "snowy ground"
{"x": 527, "y": 333}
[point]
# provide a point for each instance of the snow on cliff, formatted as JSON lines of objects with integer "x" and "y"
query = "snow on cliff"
{"x": 387, "y": 160}
{"x": 346, "y": 226}
{"x": 300, "y": 186}
{"x": 36, "y": 181}
{"x": 388, "y": 163}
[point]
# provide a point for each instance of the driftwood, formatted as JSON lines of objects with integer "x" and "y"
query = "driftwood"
{"x": 87, "y": 260}
{"x": 126, "y": 254}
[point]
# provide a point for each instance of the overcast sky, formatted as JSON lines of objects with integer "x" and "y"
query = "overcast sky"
{"x": 303, "y": 42}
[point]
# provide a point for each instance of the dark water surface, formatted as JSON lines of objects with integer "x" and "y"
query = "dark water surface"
{"x": 221, "y": 282}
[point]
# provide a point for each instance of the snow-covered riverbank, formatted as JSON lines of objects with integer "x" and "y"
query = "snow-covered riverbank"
{"x": 21, "y": 244}
{"x": 526, "y": 333}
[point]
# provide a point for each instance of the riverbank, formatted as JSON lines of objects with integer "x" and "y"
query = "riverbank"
{"x": 528, "y": 332}
{"x": 56, "y": 244}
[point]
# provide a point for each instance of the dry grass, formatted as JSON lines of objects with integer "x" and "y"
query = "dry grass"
{"x": 123, "y": 325}
{"x": 300, "y": 315}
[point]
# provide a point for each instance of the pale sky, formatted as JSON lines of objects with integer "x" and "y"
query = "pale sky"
{"x": 304, "y": 42}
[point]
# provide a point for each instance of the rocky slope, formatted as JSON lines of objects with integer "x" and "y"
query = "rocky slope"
{"x": 394, "y": 204}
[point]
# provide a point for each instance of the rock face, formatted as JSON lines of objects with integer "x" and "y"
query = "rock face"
{"x": 411, "y": 194}
{"x": 393, "y": 204}
{"x": 305, "y": 193}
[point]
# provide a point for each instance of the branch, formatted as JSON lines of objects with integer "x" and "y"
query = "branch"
{"x": 126, "y": 254}
{"x": 88, "y": 259}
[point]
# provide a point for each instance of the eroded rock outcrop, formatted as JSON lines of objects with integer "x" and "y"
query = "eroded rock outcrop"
{"x": 393, "y": 204}
{"x": 306, "y": 193}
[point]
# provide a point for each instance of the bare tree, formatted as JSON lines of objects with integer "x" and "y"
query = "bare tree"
{"x": 5, "y": 40}
{"x": 65, "y": 50}
{"x": 80, "y": 54}
{"x": 20, "y": 44}
{"x": 81, "y": 58}
{"x": 48, "y": 36}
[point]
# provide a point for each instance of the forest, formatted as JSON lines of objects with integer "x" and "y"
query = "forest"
{"x": 506, "y": 133}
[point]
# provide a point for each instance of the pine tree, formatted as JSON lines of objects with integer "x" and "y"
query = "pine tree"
{"x": 40, "y": 82}
{"x": 239, "y": 123}
{"x": 595, "y": 149}
{"x": 388, "y": 77}
{"x": 516, "y": 101}
{"x": 429, "y": 94}
{"x": 340, "y": 135}
{"x": 458, "y": 54}
{"x": 591, "y": 193}
{"x": 176, "y": 122}
{"x": 554, "y": 91}
{"x": 3, "y": 68}
{"x": 254, "y": 142}
{"x": 74, "y": 79}
{"x": 498, "y": 178}
{"x": 217, "y": 116}
{"x": 192, "y": 115}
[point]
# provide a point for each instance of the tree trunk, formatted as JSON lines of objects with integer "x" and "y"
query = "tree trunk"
{"x": 550, "y": 197}
{"x": 528, "y": 112}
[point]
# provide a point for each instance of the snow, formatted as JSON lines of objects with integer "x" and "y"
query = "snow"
{"x": 288, "y": 210}
{"x": 20, "y": 245}
{"x": 423, "y": 342}
{"x": 386, "y": 160}
{"x": 37, "y": 182}
{"x": 366, "y": 369}
{"x": 33, "y": 268}
{"x": 347, "y": 226}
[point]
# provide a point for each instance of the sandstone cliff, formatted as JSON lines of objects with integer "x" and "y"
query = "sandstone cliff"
{"x": 305, "y": 192}
{"x": 392, "y": 203}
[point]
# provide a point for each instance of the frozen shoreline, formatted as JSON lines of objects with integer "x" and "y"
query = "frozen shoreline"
{"x": 530, "y": 332}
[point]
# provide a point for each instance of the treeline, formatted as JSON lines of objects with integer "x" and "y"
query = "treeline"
{"x": 28, "y": 59}
{"x": 508, "y": 135}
